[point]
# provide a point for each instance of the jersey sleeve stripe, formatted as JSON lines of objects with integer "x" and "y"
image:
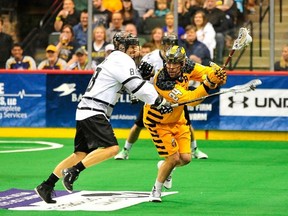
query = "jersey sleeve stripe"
{"x": 137, "y": 89}
{"x": 129, "y": 79}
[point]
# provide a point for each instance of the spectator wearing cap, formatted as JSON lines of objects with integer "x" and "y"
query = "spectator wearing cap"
{"x": 108, "y": 49}
{"x": 82, "y": 61}
{"x": 18, "y": 60}
{"x": 52, "y": 62}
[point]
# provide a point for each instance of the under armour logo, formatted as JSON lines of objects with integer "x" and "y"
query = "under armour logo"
{"x": 232, "y": 102}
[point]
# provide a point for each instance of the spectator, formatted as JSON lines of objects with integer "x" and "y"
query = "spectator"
{"x": 81, "y": 62}
{"x": 131, "y": 28}
{"x": 161, "y": 8}
{"x": 80, "y": 30}
{"x": 129, "y": 14}
{"x": 67, "y": 16}
{"x": 218, "y": 19}
{"x": 205, "y": 31}
{"x": 18, "y": 60}
{"x": 108, "y": 49}
{"x": 229, "y": 7}
{"x": 156, "y": 37}
{"x": 194, "y": 5}
{"x": 184, "y": 16}
{"x": 250, "y": 6}
{"x": 6, "y": 43}
{"x": 195, "y": 50}
{"x": 145, "y": 10}
{"x": 101, "y": 16}
{"x": 146, "y": 48}
{"x": 112, "y": 5}
{"x": 52, "y": 62}
{"x": 282, "y": 65}
{"x": 67, "y": 46}
{"x": 116, "y": 26}
{"x": 169, "y": 28}
{"x": 99, "y": 43}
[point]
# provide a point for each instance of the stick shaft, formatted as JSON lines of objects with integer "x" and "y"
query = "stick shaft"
{"x": 228, "y": 59}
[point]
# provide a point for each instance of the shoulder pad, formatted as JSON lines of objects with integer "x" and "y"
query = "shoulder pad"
{"x": 188, "y": 67}
{"x": 164, "y": 82}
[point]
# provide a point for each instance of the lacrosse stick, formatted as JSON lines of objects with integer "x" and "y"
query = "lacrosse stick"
{"x": 241, "y": 41}
{"x": 249, "y": 86}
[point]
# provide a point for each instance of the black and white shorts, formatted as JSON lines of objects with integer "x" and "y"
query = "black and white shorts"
{"x": 92, "y": 133}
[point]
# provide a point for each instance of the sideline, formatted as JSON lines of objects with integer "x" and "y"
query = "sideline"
{"x": 123, "y": 134}
{"x": 51, "y": 145}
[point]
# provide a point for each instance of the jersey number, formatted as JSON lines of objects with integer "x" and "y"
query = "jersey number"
{"x": 93, "y": 79}
{"x": 174, "y": 94}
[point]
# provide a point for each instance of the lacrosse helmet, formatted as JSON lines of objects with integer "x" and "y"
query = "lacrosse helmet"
{"x": 122, "y": 40}
{"x": 170, "y": 39}
{"x": 175, "y": 55}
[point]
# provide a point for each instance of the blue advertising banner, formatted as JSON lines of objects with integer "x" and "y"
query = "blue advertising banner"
{"x": 22, "y": 100}
{"x": 64, "y": 91}
{"x": 266, "y": 108}
{"x": 50, "y": 100}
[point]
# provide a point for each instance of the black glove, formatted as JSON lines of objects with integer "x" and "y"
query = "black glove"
{"x": 162, "y": 105}
{"x": 146, "y": 70}
{"x": 133, "y": 99}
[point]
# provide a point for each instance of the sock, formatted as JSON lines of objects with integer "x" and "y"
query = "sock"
{"x": 194, "y": 145}
{"x": 128, "y": 145}
{"x": 80, "y": 166}
{"x": 52, "y": 179}
{"x": 158, "y": 185}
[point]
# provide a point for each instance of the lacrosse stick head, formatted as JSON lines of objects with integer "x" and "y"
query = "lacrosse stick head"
{"x": 243, "y": 39}
{"x": 250, "y": 86}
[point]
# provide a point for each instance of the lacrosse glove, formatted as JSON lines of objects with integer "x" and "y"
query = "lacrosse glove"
{"x": 146, "y": 70}
{"x": 216, "y": 77}
{"x": 162, "y": 105}
{"x": 133, "y": 99}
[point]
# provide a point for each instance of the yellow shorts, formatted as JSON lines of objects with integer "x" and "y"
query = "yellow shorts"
{"x": 171, "y": 138}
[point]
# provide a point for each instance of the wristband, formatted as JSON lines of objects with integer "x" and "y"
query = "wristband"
{"x": 58, "y": 18}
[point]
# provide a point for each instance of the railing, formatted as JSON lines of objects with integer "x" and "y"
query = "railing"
{"x": 29, "y": 41}
{"x": 262, "y": 13}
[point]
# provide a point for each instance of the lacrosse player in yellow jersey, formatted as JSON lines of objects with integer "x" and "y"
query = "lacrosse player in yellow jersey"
{"x": 169, "y": 131}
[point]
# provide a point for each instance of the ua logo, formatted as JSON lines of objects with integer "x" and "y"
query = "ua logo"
{"x": 232, "y": 102}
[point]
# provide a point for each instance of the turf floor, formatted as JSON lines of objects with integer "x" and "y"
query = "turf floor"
{"x": 239, "y": 178}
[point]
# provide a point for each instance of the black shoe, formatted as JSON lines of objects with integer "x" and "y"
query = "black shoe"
{"x": 45, "y": 191}
{"x": 69, "y": 176}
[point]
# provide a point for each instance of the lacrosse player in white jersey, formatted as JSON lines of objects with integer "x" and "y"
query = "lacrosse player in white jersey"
{"x": 95, "y": 140}
{"x": 156, "y": 59}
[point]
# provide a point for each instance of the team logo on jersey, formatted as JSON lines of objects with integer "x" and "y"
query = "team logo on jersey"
{"x": 65, "y": 89}
{"x": 15, "y": 199}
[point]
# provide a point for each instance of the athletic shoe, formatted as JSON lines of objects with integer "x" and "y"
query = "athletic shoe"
{"x": 199, "y": 154}
{"x": 155, "y": 195}
{"x": 70, "y": 175}
{"x": 45, "y": 192}
{"x": 122, "y": 155}
{"x": 168, "y": 182}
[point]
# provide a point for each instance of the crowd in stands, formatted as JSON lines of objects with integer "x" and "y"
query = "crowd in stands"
{"x": 203, "y": 29}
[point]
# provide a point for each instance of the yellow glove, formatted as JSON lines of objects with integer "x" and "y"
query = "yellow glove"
{"x": 217, "y": 75}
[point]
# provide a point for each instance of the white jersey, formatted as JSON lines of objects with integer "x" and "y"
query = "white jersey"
{"x": 154, "y": 58}
{"x": 116, "y": 73}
